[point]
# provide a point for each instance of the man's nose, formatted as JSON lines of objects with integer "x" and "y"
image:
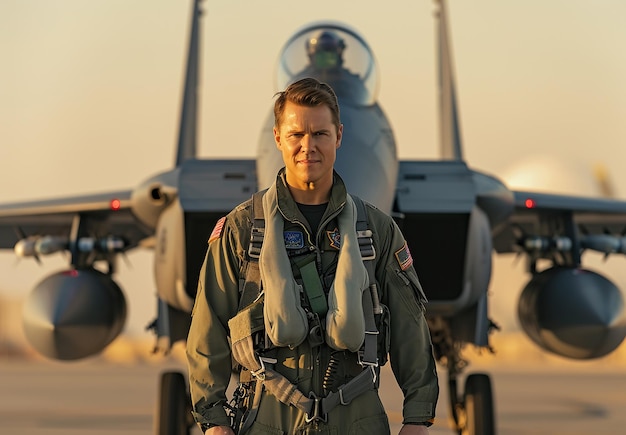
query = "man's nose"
{"x": 307, "y": 144}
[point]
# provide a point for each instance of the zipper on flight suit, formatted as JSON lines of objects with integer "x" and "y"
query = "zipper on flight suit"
{"x": 317, "y": 372}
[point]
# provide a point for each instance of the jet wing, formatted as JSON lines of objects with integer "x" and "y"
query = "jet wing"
{"x": 539, "y": 213}
{"x": 107, "y": 213}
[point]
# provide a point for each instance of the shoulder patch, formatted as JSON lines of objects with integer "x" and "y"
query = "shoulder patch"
{"x": 335, "y": 238}
{"x": 218, "y": 229}
{"x": 403, "y": 255}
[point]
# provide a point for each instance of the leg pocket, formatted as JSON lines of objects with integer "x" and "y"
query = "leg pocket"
{"x": 374, "y": 425}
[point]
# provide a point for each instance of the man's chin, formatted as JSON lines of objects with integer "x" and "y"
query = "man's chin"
{"x": 306, "y": 178}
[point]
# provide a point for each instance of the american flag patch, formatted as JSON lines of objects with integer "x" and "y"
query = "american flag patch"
{"x": 217, "y": 231}
{"x": 403, "y": 255}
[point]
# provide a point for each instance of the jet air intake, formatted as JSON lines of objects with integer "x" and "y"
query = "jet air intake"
{"x": 574, "y": 313}
{"x": 74, "y": 314}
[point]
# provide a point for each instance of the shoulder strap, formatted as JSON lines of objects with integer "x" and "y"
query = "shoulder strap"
{"x": 364, "y": 234}
{"x": 258, "y": 226}
{"x": 371, "y": 303}
{"x": 251, "y": 286}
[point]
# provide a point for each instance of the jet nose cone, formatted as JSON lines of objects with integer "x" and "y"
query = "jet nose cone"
{"x": 74, "y": 314}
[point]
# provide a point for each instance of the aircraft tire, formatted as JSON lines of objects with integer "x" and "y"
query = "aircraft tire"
{"x": 478, "y": 401}
{"x": 173, "y": 411}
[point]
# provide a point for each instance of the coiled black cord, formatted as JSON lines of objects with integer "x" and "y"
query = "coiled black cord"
{"x": 330, "y": 373}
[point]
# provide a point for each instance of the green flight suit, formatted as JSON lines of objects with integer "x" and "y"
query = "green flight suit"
{"x": 307, "y": 366}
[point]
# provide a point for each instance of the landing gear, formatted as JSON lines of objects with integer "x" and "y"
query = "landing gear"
{"x": 174, "y": 406}
{"x": 474, "y": 414}
{"x": 472, "y": 409}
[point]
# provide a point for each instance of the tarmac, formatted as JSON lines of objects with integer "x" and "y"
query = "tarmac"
{"x": 104, "y": 396}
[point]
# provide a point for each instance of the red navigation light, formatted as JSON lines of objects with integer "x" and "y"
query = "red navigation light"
{"x": 116, "y": 204}
{"x": 529, "y": 203}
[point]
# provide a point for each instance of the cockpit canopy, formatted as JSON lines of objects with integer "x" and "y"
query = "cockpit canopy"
{"x": 334, "y": 54}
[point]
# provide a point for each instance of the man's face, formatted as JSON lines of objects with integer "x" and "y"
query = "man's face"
{"x": 308, "y": 140}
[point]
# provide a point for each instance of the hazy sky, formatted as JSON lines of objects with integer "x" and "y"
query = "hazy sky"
{"x": 90, "y": 90}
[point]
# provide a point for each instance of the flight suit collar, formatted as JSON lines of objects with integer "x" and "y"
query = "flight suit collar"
{"x": 289, "y": 208}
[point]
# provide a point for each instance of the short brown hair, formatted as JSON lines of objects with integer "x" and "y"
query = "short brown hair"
{"x": 307, "y": 92}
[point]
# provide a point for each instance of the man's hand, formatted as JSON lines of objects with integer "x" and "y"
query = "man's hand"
{"x": 222, "y": 430}
{"x": 413, "y": 429}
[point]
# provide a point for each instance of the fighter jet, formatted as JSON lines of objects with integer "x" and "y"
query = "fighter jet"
{"x": 453, "y": 217}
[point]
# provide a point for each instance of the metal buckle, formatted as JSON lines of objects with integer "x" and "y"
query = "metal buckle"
{"x": 316, "y": 335}
{"x": 366, "y": 245}
{"x": 256, "y": 242}
{"x": 359, "y": 358}
{"x": 343, "y": 402}
{"x": 374, "y": 376}
{"x": 260, "y": 373}
{"x": 340, "y": 390}
{"x": 317, "y": 412}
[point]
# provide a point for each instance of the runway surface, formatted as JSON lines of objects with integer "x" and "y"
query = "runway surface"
{"x": 97, "y": 398}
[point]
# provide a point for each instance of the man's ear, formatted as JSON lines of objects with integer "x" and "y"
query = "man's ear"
{"x": 277, "y": 137}
{"x": 339, "y": 135}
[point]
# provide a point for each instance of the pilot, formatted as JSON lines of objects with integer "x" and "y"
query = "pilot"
{"x": 325, "y": 52}
{"x": 306, "y": 291}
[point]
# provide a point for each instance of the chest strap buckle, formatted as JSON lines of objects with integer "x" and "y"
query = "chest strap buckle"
{"x": 316, "y": 413}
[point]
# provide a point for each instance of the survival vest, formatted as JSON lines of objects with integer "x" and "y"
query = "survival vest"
{"x": 247, "y": 329}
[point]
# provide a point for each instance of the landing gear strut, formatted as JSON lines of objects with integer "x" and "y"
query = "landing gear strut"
{"x": 174, "y": 406}
{"x": 472, "y": 409}
{"x": 473, "y": 414}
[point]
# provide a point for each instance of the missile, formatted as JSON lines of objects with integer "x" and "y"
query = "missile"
{"x": 45, "y": 245}
{"x": 604, "y": 243}
{"x": 108, "y": 244}
{"x": 546, "y": 244}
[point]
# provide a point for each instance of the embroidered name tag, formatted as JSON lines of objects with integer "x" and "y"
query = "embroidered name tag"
{"x": 335, "y": 238}
{"x": 293, "y": 239}
{"x": 403, "y": 255}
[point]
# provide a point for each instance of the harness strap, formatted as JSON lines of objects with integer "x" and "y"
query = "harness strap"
{"x": 365, "y": 381}
{"x": 261, "y": 368}
{"x": 258, "y": 225}
{"x": 253, "y": 410}
{"x": 312, "y": 284}
{"x": 289, "y": 394}
{"x": 368, "y": 355}
{"x": 250, "y": 287}
{"x": 371, "y": 305}
{"x": 274, "y": 382}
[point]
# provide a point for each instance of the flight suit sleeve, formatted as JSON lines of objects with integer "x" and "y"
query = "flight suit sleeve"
{"x": 410, "y": 352}
{"x": 208, "y": 349}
